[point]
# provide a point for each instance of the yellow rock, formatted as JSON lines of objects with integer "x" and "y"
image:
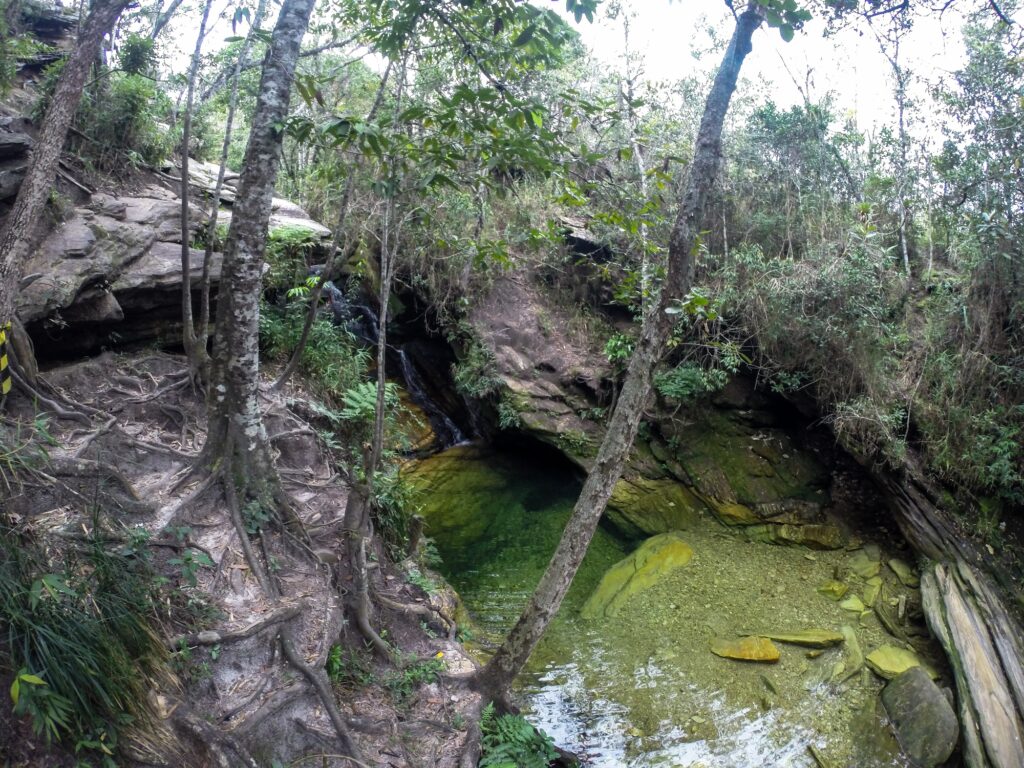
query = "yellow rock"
{"x": 811, "y": 638}
{"x": 864, "y": 566}
{"x": 852, "y": 603}
{"x": 834, "y": 589}
{"x": 874, "y": 586}
{"x": 889, "y": 660}
{"x": 746, "y": 649}
{"x": 652, "y": 561}
{"x": 904, "y": 572}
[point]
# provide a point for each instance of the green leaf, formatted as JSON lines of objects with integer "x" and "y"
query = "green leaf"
{"x": 33, "y": 679}
{"x": 524, "y": 37}
{"x": 16, "y": 690}
{"x": 786, "y": 31}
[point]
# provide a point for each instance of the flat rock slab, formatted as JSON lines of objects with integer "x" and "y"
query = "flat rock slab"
{"x": 810, "y": 638}
{"x": 759, "y": 649}
{"x": 890, "y": 661}
{"x": 922, "y": 717}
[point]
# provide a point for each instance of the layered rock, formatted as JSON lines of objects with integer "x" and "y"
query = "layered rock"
{"x": 737, "y": 461}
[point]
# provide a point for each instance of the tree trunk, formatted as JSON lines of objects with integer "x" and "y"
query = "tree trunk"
{"x": 496, "y": 677}
{"x": 203, "y": 331}
{"x": 18, "y": 233}
{"x": 235, "y": 423}
{"x": 196, "y": 352}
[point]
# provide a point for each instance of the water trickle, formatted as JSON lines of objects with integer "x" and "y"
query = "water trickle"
{"x": 447, "y": 430}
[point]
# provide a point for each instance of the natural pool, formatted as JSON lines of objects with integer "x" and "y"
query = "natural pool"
{"x": 642, "y": 688}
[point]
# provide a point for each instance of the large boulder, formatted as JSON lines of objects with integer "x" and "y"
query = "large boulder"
{"x": 922, "y": 717}
{"x": 652, "y": 561}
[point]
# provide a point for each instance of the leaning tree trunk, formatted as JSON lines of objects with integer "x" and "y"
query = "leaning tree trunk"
{"x": 236, "y": 429}
{"x": 18, "y": 234}
{"x": 496, "y": 677}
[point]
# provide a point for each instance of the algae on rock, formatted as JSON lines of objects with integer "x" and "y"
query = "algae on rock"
{"x": 652, "y": 561}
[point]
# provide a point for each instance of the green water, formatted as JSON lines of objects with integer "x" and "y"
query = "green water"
{"x": 642, "y": 688}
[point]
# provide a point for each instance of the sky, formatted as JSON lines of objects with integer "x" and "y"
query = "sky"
{"x": 849, "y": 65}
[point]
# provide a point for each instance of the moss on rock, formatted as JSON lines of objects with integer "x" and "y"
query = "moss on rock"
{"x": 652, "y": 561}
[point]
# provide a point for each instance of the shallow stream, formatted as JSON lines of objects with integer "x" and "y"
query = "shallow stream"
{"x": 642, "y": 688}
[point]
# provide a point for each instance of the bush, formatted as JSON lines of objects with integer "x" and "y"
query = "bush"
{"x": 119, "y": 118}
{"x": 332, "y": 361}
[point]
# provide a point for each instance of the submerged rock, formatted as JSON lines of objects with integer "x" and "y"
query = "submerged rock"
{"x": 872, "y": 589}
{"x": 852, "y": 603}
{"x": 864, "y": 565}
{"x": 651, "y": 562}
{"x": 889, "y": 661}
{"x": 746, "y": 649}
{"x": 834, "y": 589}
{"x": 811, "y": 638}
{"x": 813, "y": 536}
{"x": 904, "y": 572}
{"x": 922, "y": 717}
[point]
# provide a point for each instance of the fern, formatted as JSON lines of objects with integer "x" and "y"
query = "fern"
{"x": 509, "y": 741}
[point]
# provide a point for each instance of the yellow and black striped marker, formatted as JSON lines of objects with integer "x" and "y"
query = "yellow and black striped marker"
{"x": 5, "y": 371}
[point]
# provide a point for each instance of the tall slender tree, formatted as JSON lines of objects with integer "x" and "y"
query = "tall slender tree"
{"x": 235, "y": 430}
{"x": 496, "y": 677}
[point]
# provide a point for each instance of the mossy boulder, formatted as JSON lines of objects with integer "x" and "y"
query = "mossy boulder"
{"x": 646, "y": 506}
{"x": 652, "y": 561}
{"x": 922, "y": 717}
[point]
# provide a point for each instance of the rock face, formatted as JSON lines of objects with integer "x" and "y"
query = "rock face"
{"x": 737, "y": 460}
{"x": 651, "y": 562}
{"x": 922, "y": 717}
{"x": 110, "y": 272}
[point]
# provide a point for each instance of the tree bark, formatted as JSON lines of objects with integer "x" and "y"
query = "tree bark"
{"x": 236, "y": 428}
{"x": 17, "y": 237}
{"x": 496, "y": 677}
{"x": 195, "y": 350}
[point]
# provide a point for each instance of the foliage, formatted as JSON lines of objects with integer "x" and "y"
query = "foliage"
{"x": 509, "y": 741}
{"x": 348, "y": 667}
{"x": 290, "y": 251}
{"x": 79, "y": 632}
{"x": 689, "y": 381}
{"x": 333, "y": 362}
{"x": 118, "y": 122}
{"x": 359, "y": 402}
{"x": 474, "y": 373}
{"x": 402, "y": 683}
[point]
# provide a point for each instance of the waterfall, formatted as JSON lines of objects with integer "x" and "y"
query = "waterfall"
{"x": 447, "y": 430}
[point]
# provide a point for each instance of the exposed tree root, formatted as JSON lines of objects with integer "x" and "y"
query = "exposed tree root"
{"x": 415, "y": 609}
{"x": 89, "y": 469}
{"x": 51, "y": 405}
{"x": 215, "y": 637}
{"x": 316, "y": 677}
{"x": 221, "y": 746}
